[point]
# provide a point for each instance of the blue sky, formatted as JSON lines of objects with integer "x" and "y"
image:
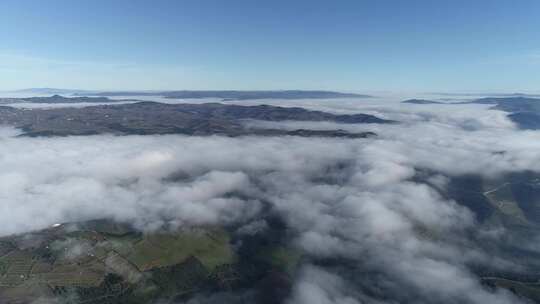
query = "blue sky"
{"x": 357, "y": 45}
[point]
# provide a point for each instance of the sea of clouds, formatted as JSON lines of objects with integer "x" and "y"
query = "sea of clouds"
{"x": 353, "y": 200}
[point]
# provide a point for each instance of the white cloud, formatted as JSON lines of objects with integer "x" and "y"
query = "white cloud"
{"x": 340, "y": 199}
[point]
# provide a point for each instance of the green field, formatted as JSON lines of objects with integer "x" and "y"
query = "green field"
{"x": 160, "y": 250}
{"x": 112, "y": 264}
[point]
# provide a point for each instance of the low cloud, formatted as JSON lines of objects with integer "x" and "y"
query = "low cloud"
{"x": 350, "y": 200}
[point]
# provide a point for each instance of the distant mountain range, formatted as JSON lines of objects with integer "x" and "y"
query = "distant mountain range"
{"x": 488, "y": 94}
{"x": 51, "y": 91}
{"x": 57, "y": 99}
{"x": 236, "y": 95}
{"x": 198, "y": 94}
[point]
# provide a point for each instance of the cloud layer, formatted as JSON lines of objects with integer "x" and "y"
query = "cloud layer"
{"x": 348, "y": 200}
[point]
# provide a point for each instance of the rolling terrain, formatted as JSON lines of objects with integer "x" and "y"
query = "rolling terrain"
{"x": 158, "y": 118}
{"x": 102, "y": 261}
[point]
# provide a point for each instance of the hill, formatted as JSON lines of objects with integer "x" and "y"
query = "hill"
{"x": 157, "y": 118}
